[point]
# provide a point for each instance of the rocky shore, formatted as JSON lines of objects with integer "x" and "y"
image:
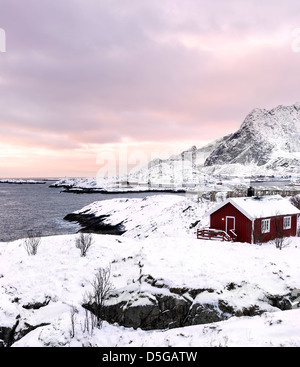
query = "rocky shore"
{"x": 93, "y": 224}
{"x": 124, "y": 190}
{"x": 136, "y": 216}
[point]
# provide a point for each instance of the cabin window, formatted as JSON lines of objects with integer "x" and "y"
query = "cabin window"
{"x": 265, "y": 225}
{"x": 287, "y": 222}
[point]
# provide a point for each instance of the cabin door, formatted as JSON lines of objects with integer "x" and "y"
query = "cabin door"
{"x": 230, "y": 224}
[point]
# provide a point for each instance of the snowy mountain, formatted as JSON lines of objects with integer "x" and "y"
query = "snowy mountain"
{"x": 268, "y": 140}
{"x": 267, "y": 143}
{"x": 180, "y": 170}
{"x": 175, "y": 173}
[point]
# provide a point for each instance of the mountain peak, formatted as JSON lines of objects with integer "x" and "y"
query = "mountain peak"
{"x": 263, "y": 136}
{"x": 267, "y": 143}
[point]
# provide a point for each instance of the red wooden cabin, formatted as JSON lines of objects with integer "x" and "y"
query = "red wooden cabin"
{"x": 255, "y": 219}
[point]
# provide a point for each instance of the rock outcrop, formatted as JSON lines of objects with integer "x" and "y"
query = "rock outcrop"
{"x": 161, "y": 307}
{"x": 95, "y": 224}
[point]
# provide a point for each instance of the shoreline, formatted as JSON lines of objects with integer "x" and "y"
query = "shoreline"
{"x": 128, "y": 191}
{"x": 95, "y": 224}
{"x": 23, "y": 182}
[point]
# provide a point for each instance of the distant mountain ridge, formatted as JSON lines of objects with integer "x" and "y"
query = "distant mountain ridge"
{"x": 265, "y": 138}
{"x": 267, "y": 143}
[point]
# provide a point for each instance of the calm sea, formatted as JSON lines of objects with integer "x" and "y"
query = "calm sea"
{"x": 42, "y": 209}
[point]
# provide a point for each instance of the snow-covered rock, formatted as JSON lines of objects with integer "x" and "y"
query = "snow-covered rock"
{"x": 38, "y": 293}
{"x": 158, "y": 215}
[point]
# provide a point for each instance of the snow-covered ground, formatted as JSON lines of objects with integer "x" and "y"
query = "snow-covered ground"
{"x": 55, "y": 280}
{"x": 154, "y": 216}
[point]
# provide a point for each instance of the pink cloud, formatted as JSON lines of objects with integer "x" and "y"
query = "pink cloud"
{"x": 98, "y": 72}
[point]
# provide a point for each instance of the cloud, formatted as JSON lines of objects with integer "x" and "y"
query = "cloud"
{"x": 99, "y": 72}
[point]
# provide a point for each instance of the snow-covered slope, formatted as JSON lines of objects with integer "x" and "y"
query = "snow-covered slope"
{"x": 38, "y": 293}
{"x": 158, "y": 258}
{"x": 155, "y": 216}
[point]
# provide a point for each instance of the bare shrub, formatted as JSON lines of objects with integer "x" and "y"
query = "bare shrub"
{"x": 90, "y": 320}
{"x": 94, "y": 300}
{"x": 295, "y": 200}
{"x": 31, "y": 243}
{"x": 73, "y": 311}
{"x": 84, "y": 241}
{"x": 280, "y": 241}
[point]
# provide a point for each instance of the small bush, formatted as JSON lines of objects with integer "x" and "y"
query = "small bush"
{"x": 84, "y": 241}
{"x": 295, "y": 200}
{"x": 281, "y": 242}
{"x": 94, "y": 300}
{"x": 31, "y": 243}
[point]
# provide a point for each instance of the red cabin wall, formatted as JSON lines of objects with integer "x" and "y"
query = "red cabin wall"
{"x": 243, "y": 225}
{"x": 275, "y": 228}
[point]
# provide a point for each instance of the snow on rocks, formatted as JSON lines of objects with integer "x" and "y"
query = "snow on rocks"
{"x": 231, "y": 277}
{"x": 277, "y": 329}
{"x": 158, "y": 215}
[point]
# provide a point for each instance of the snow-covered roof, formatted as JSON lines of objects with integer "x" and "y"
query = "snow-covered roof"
{"x": 260, "y": 206}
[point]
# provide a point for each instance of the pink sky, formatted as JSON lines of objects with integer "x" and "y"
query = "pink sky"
{"x": 83, "y": 77}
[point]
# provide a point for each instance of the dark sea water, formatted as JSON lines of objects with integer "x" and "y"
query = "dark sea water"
{"x": 41, "y": 209}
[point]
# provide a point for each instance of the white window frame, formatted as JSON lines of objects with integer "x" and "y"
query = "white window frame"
{"x": 287, "y": 222}
{"x": 265, "y": 225}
